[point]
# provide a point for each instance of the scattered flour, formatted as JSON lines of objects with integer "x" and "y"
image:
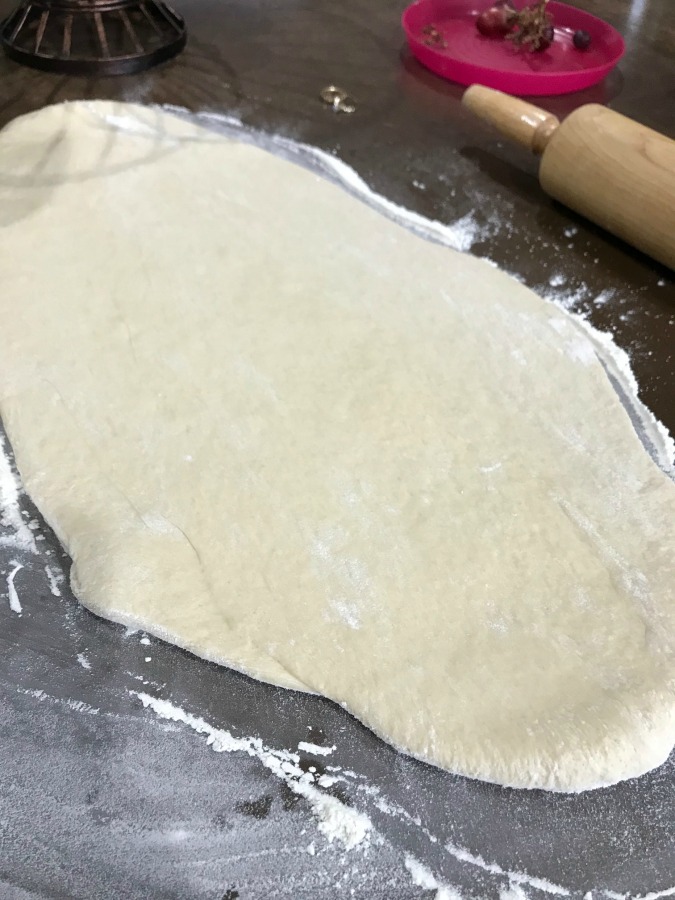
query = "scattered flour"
{"x": 336, "y": 820}
{"x": 513, "y": 892}
{"x": 54, "y": 579}
{"x": 14, "y": 602}
{"x": 603, "y": 298}
{"x": 78, "y": 706}
{"x": 515, "y": 878}
{"x": 20, "y": 536}
{"x": 654, "y": 895}
{"x": 315, "y": 749}
{"x": 568, "y": 300}
{"x": 422, "y": 877}
{"x": 351, "y": 828}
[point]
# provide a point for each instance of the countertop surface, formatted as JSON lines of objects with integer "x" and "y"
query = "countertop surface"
{"x": 101, "y": 797}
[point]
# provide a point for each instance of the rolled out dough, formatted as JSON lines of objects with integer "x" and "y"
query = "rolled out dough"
{"x": 280, "y": 430}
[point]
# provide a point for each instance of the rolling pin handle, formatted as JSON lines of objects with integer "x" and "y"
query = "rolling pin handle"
{"x": 527, "y": 125}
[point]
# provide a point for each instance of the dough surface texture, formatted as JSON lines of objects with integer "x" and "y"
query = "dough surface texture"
{"x": 278, "y": 429}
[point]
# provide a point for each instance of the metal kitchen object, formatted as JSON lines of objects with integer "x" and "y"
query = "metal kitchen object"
{"x": 92, "y": 37}
{"x": 338, "y": 99}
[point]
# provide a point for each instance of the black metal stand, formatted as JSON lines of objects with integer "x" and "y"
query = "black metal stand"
{"x": 92, "y": 37}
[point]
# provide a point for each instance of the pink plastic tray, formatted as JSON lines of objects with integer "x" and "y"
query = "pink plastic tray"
{"x": 470, "y": 58}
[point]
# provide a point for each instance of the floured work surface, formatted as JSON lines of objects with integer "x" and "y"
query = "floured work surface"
{"x": 281, "y": 431}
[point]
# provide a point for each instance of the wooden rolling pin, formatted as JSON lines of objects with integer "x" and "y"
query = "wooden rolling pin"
{"x": 605, "y": 166}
